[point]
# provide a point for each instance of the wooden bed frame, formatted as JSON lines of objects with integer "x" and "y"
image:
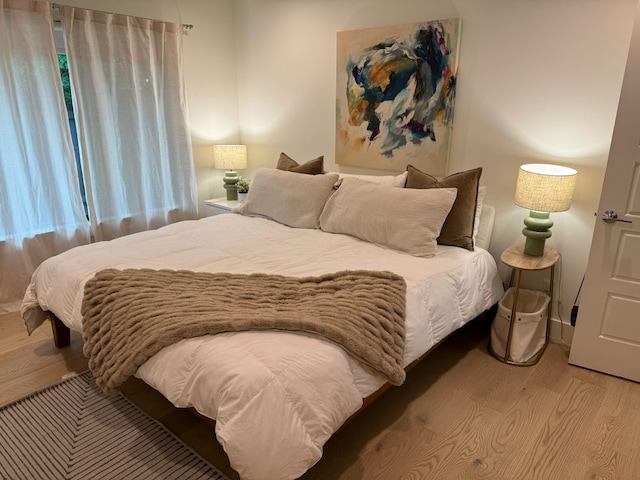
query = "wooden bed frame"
{"x": 61, "y": 333}
{"x": 62, "y": 338}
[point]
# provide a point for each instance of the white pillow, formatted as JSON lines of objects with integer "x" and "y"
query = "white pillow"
{"x": 389, "y": 180}
{"x": 482, "y": 192}
{"x": 290, "y": 198}
{"x": 403, "y": 219}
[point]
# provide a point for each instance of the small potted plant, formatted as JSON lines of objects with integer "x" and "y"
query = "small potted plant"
{"x": 243, "y": 188}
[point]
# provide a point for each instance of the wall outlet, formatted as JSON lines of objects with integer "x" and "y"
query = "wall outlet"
{"x": 547, "y": 285}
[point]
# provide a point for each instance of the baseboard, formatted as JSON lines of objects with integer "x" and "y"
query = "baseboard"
{"x": 561, "y": 333}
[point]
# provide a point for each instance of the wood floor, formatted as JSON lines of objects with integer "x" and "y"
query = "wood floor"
{"x": 460, "y": 415}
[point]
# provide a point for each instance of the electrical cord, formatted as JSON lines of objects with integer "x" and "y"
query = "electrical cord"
{"x": 574, "y": 308}
{"x": 562, "y": 340}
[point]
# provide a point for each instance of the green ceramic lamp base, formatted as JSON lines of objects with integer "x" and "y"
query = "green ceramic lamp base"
{"x": 536, "y": 232}
{"x": 230, "y": 179}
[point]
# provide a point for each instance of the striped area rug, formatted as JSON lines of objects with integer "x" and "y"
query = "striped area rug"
{"x": 73, "y": 431}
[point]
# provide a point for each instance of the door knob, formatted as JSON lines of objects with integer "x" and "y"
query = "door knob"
{"x": 610, "y": 216}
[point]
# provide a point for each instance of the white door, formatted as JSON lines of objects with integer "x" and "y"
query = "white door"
{"x": 607, "y": 332}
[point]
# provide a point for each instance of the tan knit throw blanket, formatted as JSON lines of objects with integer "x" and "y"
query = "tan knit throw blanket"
{"x": 130, "y": 315}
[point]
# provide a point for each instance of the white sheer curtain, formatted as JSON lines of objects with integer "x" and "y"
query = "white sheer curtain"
{"x": 41, "y": 211}
{"x": 131, "y": 118}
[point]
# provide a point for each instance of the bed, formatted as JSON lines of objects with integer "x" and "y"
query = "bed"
{"x": 274, "y": 391}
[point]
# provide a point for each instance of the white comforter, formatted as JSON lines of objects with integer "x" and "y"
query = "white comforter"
{"x": 276, "y": 397}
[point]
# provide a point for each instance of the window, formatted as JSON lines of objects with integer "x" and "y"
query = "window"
{"x": 87, "y": 158}
{"x": 68, "y": 100}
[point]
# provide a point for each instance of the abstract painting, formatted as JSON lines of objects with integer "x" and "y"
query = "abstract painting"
{"x": 395, "y": 93}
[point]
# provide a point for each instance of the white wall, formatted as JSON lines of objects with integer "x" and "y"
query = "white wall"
{"x": 538, "y": 82}
{"x": 209, "y": 71}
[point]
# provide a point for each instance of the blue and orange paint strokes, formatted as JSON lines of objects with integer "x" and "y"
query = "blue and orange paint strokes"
{"x": 398, "y": 96}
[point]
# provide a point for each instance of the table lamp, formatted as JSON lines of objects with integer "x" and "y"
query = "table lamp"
{"x": 230, "y": 158}
{"x": 542, "y": 189}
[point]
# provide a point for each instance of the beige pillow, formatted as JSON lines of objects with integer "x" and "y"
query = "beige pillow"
{"x": 482, "y": 193}
{"x": 312, "y": 167}
{"x": 287, "y": 197}
{"x": 407, "y": 220}
{"x": 389, "y": 180}
{"x": 458, "y": 228}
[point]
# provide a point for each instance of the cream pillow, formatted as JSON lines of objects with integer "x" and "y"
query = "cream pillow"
{"x": 482, "y": 192}
{"x": 287, "y": 197}
{"x": 389, "y": 180}
{"x": 407, "y": 220}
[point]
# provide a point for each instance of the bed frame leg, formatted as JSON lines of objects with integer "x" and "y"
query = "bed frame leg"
{"x": 61, "y": 333}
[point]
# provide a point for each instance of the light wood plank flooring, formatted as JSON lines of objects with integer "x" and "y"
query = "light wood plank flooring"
{"x": 460, "y": 415}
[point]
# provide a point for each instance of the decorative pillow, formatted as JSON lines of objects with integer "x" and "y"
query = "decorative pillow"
{"x": 389, "y": 180}
{"x": 482, "y": 192}
{"x": 407, "y": 220}
{"x": 312, "y": 167}
{"x": 458, "y": 228}
{"x": 287, "y": 197}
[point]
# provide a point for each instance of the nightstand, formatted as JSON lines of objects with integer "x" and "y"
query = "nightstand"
{"x": 218, "y": 206}
{"x": 515, "y": 258}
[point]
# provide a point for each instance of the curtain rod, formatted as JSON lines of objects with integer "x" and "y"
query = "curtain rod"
{"x": 186, "y": 26}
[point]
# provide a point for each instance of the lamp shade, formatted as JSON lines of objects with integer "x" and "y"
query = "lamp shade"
{"x": 545, "y": 188}
{"x": 230, "y": 157}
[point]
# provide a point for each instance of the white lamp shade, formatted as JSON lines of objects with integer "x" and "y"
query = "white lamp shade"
{"x": 545, "y": 188}
{"x": 230, "y": 157}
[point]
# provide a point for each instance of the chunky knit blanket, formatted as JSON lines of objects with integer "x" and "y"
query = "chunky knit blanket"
{"x": 130, "y": 315}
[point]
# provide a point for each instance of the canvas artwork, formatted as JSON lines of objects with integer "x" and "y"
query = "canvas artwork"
{"x": 395, "y": 93}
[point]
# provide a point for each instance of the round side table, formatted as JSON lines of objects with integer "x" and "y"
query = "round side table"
{"x": 515, "y": 258}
